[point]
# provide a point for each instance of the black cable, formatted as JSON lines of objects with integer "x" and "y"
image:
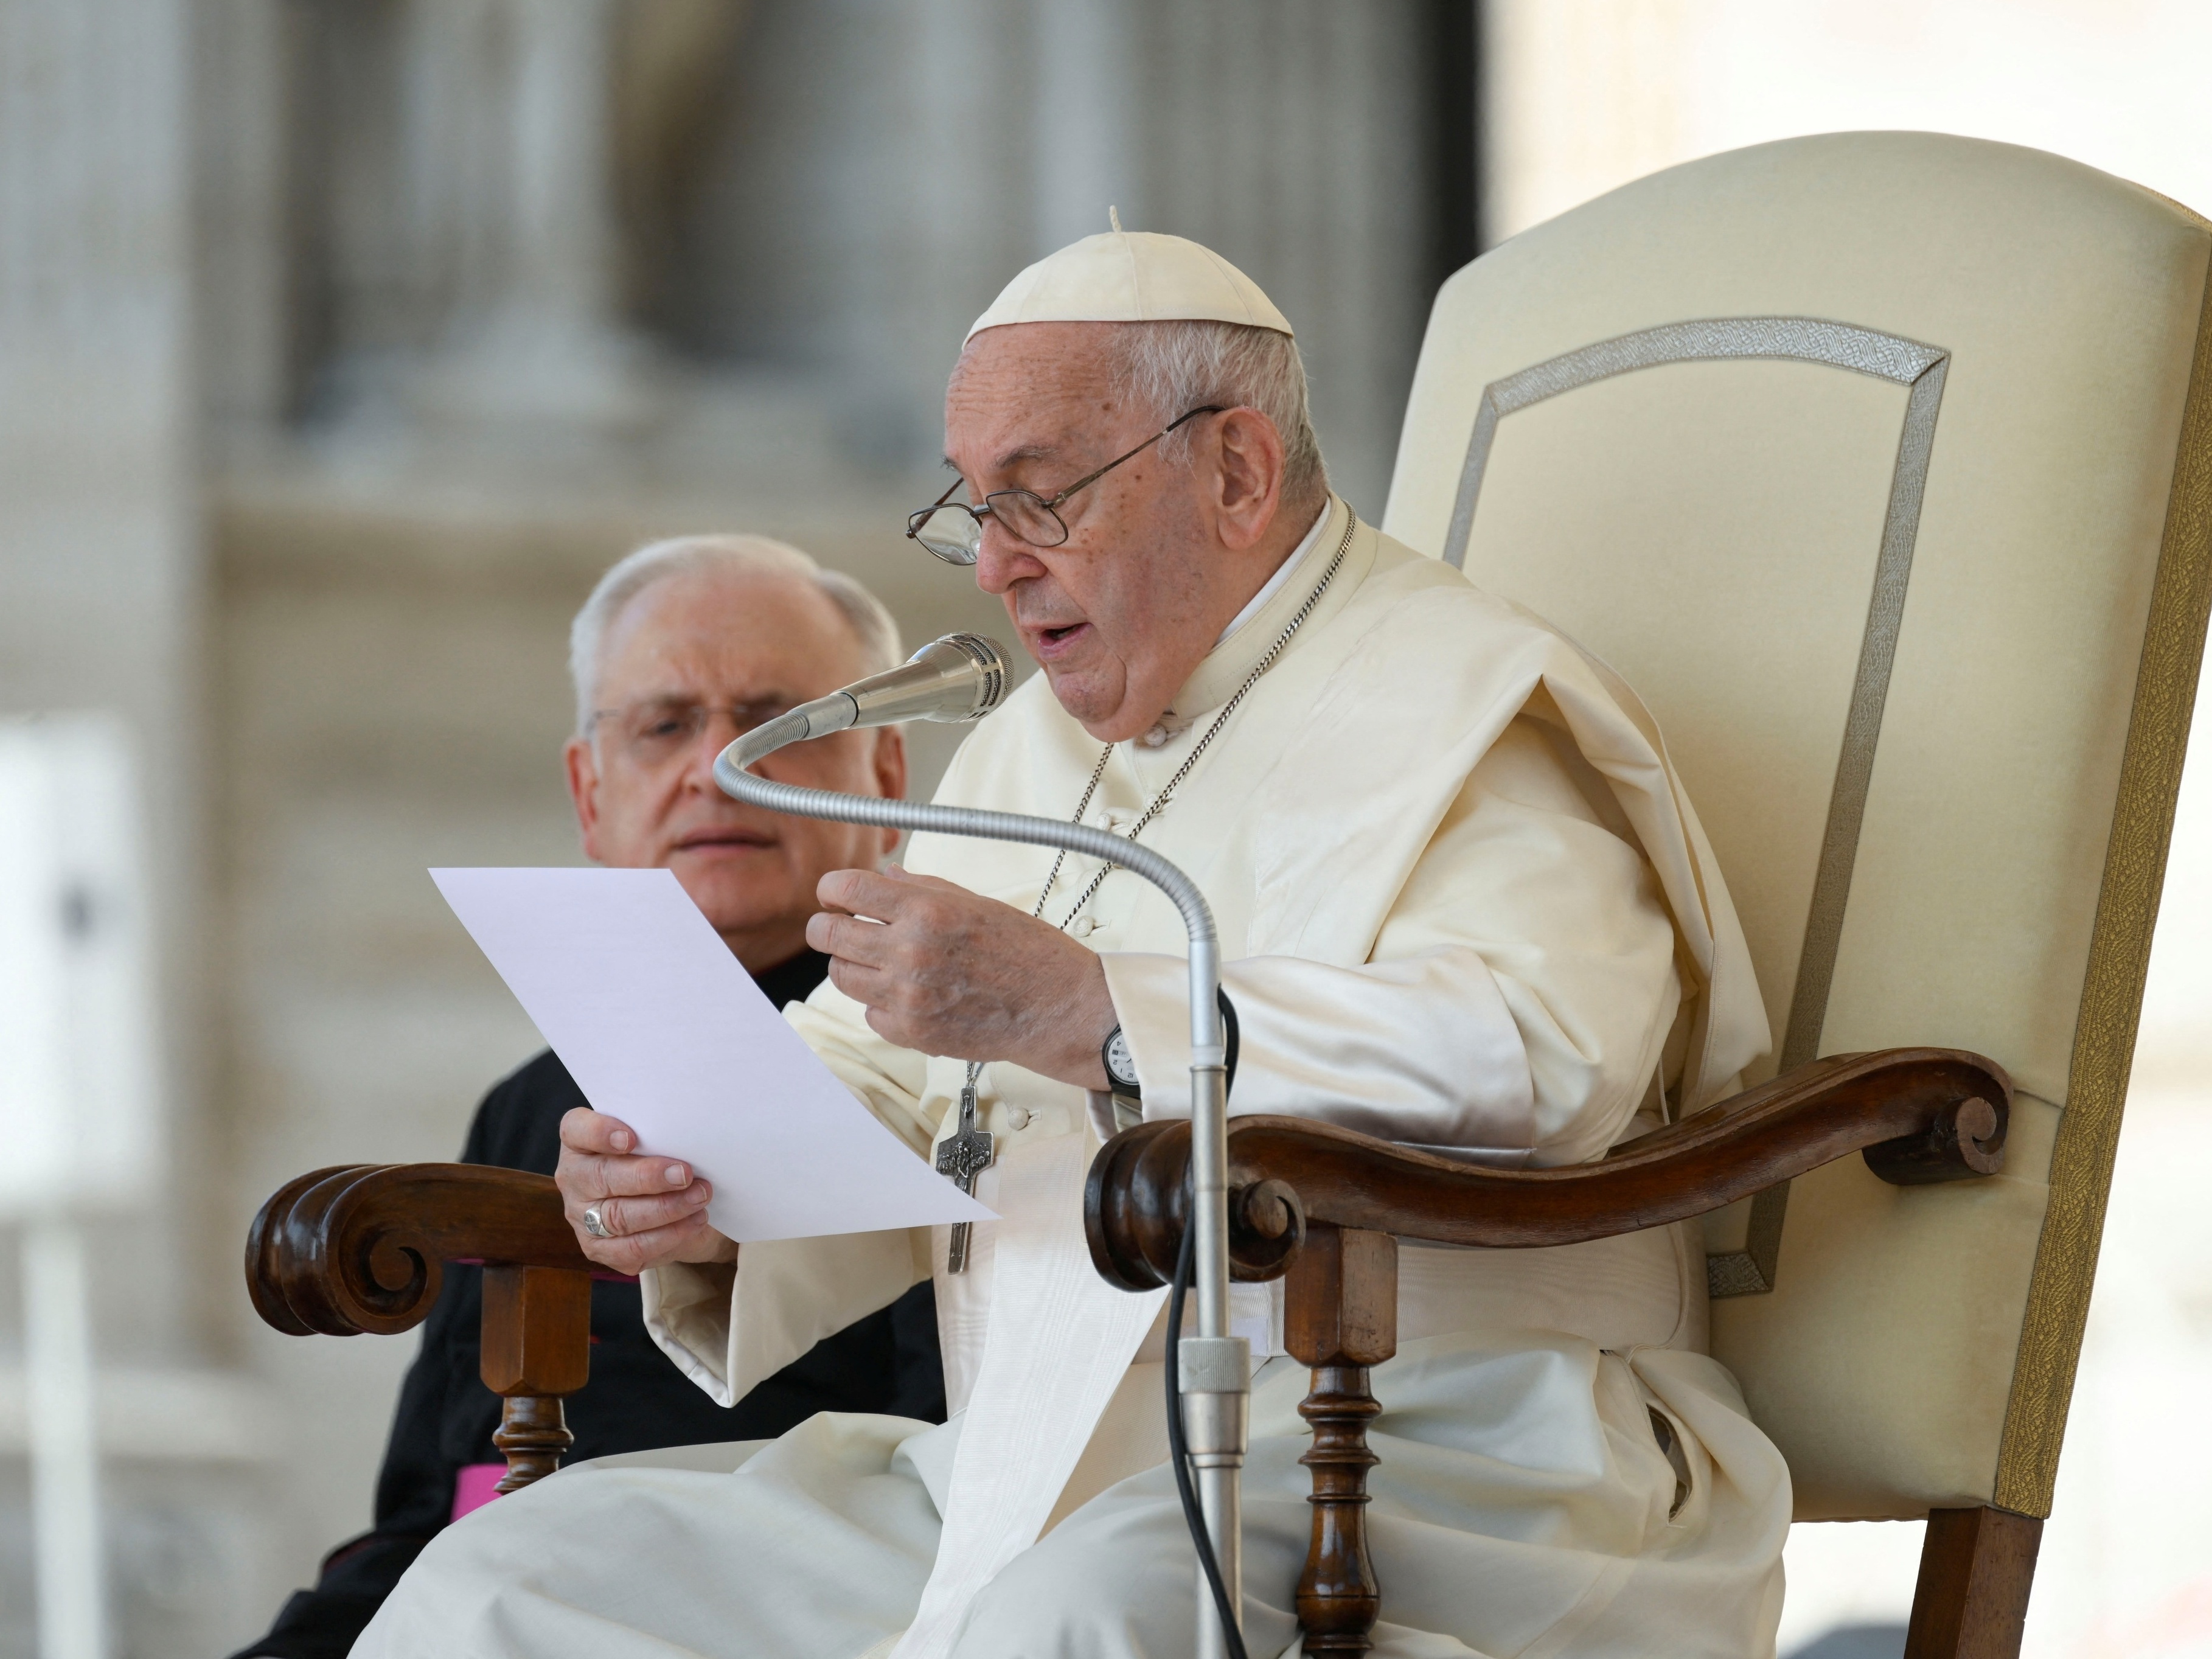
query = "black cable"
{"x": 1178, "y": 1440}
{"x": 1179, "y": 1455}
{"x": 1231, "y": 1042}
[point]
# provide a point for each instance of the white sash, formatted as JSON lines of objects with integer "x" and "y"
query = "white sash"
{"x": 1060, "y": 1341}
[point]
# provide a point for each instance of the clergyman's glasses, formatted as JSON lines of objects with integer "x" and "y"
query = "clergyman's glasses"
{"x": 655, "y": 730}
{"x": 953, "y": 531}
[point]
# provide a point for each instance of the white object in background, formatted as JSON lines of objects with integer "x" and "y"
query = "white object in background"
{"x": 64, "y": 1443}
{"x": 80, "y": 1114}
{"x": 80, "y": 1105}
{"x": 661, "y": 1027}
{"x": 1848, "y": 1574}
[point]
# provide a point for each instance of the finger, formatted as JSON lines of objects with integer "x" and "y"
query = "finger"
{"x": 636, "y": 1252}
{"x": 904, "y": 1033}
{"x": 627, "y": 1218}
{"x": 936, "y": 884}
{"x": 850, "y": 938}
{"x": 871, "y": 986}
{"x": 589, "y": 1177}
{"x": 588, "y": 1131}
{"x": 862, "y": 893}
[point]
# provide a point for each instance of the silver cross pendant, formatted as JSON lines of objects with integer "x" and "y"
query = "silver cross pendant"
{"x": 960, "y": 1159}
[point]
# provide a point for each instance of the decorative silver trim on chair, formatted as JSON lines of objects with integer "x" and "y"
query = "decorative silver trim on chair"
{"x": 1798, "y": 339}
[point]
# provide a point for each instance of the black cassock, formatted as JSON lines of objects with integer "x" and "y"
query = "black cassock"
{"x": 635, "y": 1400}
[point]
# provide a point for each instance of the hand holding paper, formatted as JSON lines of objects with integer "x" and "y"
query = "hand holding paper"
{"x": 661, "y": 1027}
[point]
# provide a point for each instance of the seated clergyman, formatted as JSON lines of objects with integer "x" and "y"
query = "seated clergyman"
{"x": 1463, "y": 904}
{"x": 682, "y": 644}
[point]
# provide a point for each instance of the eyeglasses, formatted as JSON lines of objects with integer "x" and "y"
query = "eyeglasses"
{"x": 655, "y": 731}
{"x": 953, "y": 531}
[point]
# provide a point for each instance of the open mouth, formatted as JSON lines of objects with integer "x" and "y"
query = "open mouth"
{"x": 1051, "y": 641}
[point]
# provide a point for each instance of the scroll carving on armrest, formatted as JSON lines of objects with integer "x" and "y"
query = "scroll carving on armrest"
{"x": 1918, "y": 1115}
{"x": 361, "y": 1247}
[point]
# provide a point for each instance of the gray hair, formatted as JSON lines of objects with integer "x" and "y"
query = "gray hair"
{"x": 1173, "y": 367}
{"x": 685, "y": 556}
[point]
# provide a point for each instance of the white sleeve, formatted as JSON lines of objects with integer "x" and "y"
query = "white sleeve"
{"x": 1512, "y": 1010}
{"x": 729, "y": 1330}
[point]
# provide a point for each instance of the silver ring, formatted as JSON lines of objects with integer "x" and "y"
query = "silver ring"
{"x": 596, "y": 1225}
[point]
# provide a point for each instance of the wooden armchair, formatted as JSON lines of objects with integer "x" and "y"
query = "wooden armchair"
{"x": 1880, "y": 465}
{"x": 1325, "y": 1207}
{"x": 361, "y": 1249}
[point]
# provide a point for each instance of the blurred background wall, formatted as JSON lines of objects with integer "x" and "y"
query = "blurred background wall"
{"x": 342, "y": 343}
{"x": 345, "y": 343}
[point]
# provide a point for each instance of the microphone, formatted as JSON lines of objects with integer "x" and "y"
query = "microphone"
{"x": 962, "y": 676}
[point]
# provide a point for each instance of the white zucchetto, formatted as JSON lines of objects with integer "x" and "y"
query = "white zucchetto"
{"x": 1133, "y": 276}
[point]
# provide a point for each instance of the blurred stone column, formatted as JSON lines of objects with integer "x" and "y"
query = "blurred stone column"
{"x": 1291, "y": 136}
{"x": 101, "y": 582}
{"x": 101, "y": 576}
{"x": 1088, "y": 150}
{"x": 515, "y": 97}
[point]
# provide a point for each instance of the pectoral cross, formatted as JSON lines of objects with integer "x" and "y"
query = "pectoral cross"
{"x": 960, "y": 1159}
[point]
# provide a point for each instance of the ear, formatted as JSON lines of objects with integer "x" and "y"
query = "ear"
{"x": 888, "y": 768}
{"x": 1249, "y": 477}
{"x": 582, "y": 767}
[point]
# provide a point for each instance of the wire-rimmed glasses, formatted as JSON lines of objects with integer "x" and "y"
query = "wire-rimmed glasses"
{"x": 656, "y": 730}
{"x": 953, "y": 531}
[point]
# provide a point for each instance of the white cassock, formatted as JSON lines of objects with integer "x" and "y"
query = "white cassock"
{"x": 1465, "y": 906}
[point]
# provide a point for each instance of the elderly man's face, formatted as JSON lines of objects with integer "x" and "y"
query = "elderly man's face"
{"x": 723, "y": 641}
{"x": 1159, "y": 557}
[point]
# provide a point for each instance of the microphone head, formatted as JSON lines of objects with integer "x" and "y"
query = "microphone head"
{"x": 962, "y": 676}
{"x": 971, "y": 660}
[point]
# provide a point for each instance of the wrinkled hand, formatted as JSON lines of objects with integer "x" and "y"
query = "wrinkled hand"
{"x": 945, "y": 971}
{"x": 655, "y": 1209}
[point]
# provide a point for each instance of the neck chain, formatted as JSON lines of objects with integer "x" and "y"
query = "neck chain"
{"x": 1167, "y": 791}
{"x": 973, "y": 1143}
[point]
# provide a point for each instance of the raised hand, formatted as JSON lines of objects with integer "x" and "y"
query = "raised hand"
{"x": 945, "y": 971}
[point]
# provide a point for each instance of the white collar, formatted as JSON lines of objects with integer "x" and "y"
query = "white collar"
{"x": 1299, "y": 555}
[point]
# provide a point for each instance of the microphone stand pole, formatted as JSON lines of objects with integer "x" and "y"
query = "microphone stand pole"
{"x": 1216, "y": 1367}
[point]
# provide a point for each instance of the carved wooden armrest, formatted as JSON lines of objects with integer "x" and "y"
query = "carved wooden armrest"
{"x": 1326, "y": 1207}
{"x": 362, "y": 1247}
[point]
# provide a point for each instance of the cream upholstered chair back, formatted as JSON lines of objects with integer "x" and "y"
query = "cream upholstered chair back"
{"x": 1880, "y": 463}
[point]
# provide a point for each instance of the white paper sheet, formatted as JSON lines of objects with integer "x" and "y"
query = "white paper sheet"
{"x": 661, "y": 1028}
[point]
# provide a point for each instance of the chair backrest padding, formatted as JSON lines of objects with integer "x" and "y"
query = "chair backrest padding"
{"x": 1881, "y": 465}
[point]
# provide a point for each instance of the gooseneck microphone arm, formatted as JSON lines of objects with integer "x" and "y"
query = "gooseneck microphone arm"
{"x": 1215, "y": 1366}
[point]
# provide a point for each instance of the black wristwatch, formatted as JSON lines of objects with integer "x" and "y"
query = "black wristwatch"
{"x": 1120, "y": 1065}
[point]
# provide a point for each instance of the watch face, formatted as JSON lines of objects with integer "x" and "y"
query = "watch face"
{"x": 1120, "y": 1065}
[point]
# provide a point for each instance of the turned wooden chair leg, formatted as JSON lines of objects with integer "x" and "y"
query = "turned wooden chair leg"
{"x": 1976, "y": 1569}
{"x": 1340, "y": 1317}
{"x": 536, "y": 1348}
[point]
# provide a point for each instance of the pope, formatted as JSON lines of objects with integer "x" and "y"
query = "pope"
{"x": 1464, "y": 904}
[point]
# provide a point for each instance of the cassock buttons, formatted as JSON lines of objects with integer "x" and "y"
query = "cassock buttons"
{"x": 1018, "y": 1116}
{"x": 1082, "y": 927}
{"x": 1153, "y": 739}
